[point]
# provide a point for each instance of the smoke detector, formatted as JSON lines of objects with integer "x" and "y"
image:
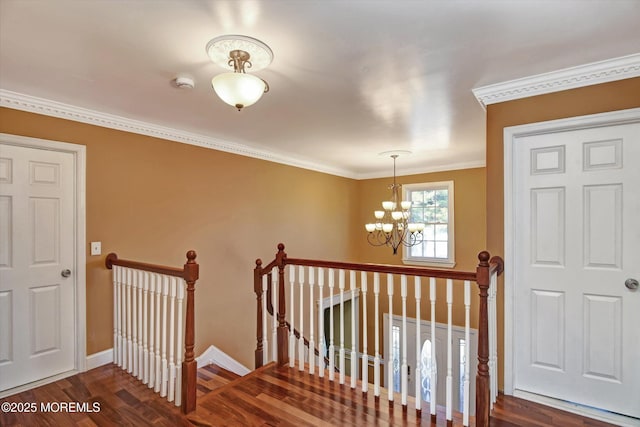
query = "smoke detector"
{"x": 183, "y": 82}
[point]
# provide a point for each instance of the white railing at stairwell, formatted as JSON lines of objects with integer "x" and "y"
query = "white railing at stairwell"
{"x": 153, "y": 329}
{"x": 308, "y": 279}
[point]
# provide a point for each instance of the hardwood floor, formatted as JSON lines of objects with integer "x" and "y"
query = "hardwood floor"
{"x": 267, "y": 397}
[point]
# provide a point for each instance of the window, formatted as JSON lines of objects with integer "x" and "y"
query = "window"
{"x": 432, "y": 204}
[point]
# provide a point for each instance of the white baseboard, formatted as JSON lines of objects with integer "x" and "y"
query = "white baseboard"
{"x": 214, "y": 355}
{"x": 211, "y": 355}
{"x": 574, "y": 408}
{"x": 100, "y": 358}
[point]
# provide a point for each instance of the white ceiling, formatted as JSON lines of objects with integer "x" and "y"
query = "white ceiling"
{"x": 350, "y": 79}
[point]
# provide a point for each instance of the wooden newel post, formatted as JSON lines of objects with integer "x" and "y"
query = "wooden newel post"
{"x": 283, "y": 347}
{"x": 189, "y": 365}
{"x": 257, "y": 288}
{"x": 482, "y": 376}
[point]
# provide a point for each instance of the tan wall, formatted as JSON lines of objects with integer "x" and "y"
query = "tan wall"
{"x": 152, "y": 200}
{"x": 470, "y": 239}
{"x": 601, "y": 98}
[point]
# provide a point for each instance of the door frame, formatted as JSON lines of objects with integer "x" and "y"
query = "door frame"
{"x": 79, "y": 256}
{"x": 511, "y": 136}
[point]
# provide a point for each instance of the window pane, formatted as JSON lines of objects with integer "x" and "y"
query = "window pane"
{"x": 417, "y": 197}
{"x": 429, "y": 249}
{"x": 441, "y": 249}
{"x": 417, "y": 250}
{"x": 442, "y": 232}
{"x": 417, "y": 215}
{"x": 442, "y": 215}
{"x": 442, "y": 198}
{"x": 430, "y": 215}
{"x": 429, "y": 232}
{"x": 429, "y": 197}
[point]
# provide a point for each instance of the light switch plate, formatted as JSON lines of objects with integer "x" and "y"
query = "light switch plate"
{"x": 96, "y": 248}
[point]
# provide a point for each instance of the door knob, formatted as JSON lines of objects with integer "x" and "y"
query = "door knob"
{"x": 631, "y": 284}
{"x": 65, "y": 273}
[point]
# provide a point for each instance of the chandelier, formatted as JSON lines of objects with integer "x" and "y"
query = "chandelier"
{"x": 392, "y": 226}
{"x": 238, "y": 88}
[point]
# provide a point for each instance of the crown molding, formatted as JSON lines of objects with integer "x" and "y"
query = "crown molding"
{"x": 32, "y": 104}
{"x": 624, "y": 67}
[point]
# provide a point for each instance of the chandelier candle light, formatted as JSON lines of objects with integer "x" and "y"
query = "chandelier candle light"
{"x": 392, "y": 226}
{"x": 238, "y": 88}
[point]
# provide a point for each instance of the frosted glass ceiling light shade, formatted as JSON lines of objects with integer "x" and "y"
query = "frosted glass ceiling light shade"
{"x": 238, "y": 88}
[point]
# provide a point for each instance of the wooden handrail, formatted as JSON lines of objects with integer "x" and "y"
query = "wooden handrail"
{"x": 112, "y": 259}
{"x": 190, "y": 273}
{"x": 386, "y": 268}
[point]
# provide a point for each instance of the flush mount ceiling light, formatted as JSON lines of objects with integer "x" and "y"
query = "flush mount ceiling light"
{"x": 238, "y": 88}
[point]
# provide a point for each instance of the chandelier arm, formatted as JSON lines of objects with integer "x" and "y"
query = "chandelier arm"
{"x": 374, "y": 239}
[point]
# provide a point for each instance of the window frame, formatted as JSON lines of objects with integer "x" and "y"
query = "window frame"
{"x": 429, "y": 261}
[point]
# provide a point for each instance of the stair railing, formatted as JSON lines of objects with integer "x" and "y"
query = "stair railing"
{"x": 305, "y": 276}
{"x": 149, "y": 323}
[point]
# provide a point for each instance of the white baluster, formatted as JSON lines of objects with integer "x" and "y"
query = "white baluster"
{"x": 172, "y": 339}
{"x": 332, "y": 349}
{"x": 165, "y": 294}
{"x": 449, "y": 399}
{"x": 159, "y": 285}
{"x": 418, "y": 367}
{"x": 292, "y": 338}
{"x": 365, "y": 351}
{"x": 140, "y": 321}
{"x": 121, "y": 317}
{"x": 354, "y": 355}
{"x": 321, "y": 339}
{"x": 145, "y": 327}
{"x": 467, "y": 344}
{"x": 390, "y": 388}
{"x": 265, "y": 341}
{"x": 274, "y": 317}
{"x": 152, "y": 322}
{"x": 129, "y": 342}
{"x": 404, "y": 369}
{"x": 376, "y": 358}
{"x": 341, "y": 286}
{"x": 301, "y": 340}
{"x": 180, "y": 340}
{"x": 312, "y": 342}
{"x": 134, "y": 321}
{"x": 433, "y": 375}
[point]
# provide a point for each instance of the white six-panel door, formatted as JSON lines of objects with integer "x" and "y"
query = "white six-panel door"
{"x": 37, "y": 234}
{"x": 577, "y": 234}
